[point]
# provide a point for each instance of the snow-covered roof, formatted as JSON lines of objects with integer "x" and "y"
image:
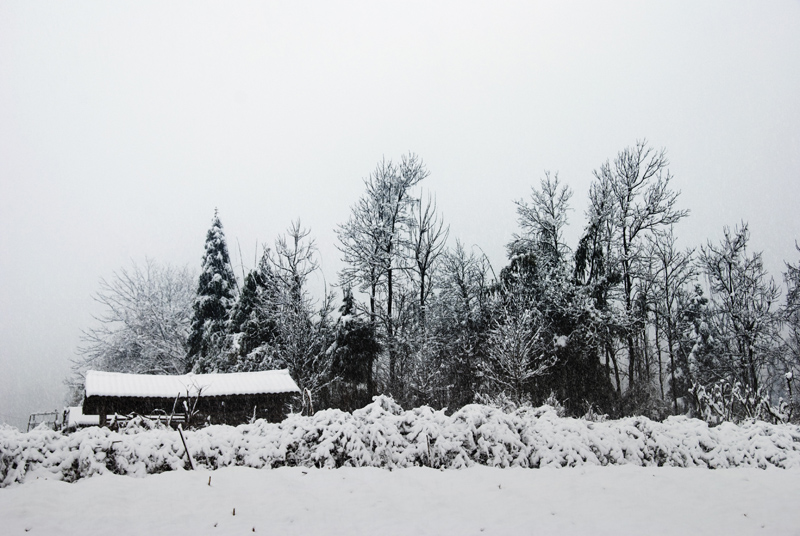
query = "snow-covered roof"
{"x": 75, "y": 417}
{"x": 100, "y": 383}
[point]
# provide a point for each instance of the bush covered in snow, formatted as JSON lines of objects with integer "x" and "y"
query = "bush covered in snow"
{"x": 382, "y": 434}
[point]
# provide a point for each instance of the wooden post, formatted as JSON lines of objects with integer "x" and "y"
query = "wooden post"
{"x": 102, "y": 415}
{"x": 428, "y": 442}
{"x": 185, "y": 448}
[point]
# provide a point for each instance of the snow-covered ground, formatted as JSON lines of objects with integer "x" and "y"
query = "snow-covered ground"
{"x": 478, "y": 500}
{"x": 376, "y": 471}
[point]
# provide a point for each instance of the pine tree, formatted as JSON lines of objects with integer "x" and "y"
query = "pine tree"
{"x": 539, "y": 304}
{"x": 353, "y": 354}
{"x": 253, "y": 321}
{"x": 216, "y": 294}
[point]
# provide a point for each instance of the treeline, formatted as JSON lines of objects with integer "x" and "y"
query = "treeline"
{"x": 624, "y": 322}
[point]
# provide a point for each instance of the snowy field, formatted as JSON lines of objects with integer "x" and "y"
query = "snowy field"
{"x": 477, "y": 500}
{"x": 384, "y": 470}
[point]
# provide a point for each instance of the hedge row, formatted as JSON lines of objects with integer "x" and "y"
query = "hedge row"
{"x": 384, "y": 435}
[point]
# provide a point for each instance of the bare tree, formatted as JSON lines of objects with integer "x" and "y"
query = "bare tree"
{"x": 791, "y": 315}
{"x": 144, "y": 326}
{"x": 673, "y": 272}
{"x": 743, "y": 301}
{"x": 543, "y": 219}
{"x": 638, "y": 184}
{"x": 375, "y": 241}
{"x": 294, "y": 260}
{"x": 303, "y": 329}
{"x": 428, "y": 238}
{"x": 789, "y": 358}
{"x": 465, "y": 282}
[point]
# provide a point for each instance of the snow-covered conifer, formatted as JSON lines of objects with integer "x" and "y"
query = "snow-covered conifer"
{"x": 253, "y": 321}
{"x": 352, "y": 356}
{"x": 216, "y": 294}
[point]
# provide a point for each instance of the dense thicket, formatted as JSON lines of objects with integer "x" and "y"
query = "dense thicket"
{"x": 624, "y": 322}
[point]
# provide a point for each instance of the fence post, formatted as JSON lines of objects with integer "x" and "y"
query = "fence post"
{"x": 185, "y": 448}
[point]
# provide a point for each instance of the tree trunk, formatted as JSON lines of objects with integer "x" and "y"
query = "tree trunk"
{"x": 422, "y": 299}
{"x": 658, "y": 354}
{"x": 390, "y": 332}
{"x": 672, "y": 364}
{"x": 610, "y": 353}
{"x": 628, "y": 284}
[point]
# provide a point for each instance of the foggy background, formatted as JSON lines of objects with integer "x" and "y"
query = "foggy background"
{"x": 123, "y": 125}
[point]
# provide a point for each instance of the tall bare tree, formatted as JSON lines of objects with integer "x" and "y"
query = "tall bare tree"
{"x": 744, "y": 305}
{"x": 638, "y": 184}
{"x": 428, "y": 239}
{"x": 294, "y": 260}
{"x": 674, "y": 270}
{"x": 375, "y": 244}
{"x": 789, "y": 362}
{"x": 300, "y": 329}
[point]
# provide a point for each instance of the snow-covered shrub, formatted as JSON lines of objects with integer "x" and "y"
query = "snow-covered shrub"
{"x": 382, "y": 434}
{"x": 736, "y": 402}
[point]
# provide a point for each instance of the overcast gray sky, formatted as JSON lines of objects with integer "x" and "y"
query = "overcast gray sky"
{"x": 124, "y": 124}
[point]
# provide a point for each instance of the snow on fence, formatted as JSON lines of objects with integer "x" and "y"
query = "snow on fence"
{"x": 384, "y": 435}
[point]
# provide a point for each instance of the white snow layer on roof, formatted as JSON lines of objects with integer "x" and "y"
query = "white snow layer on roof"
{"x": 75, "y": 417}
{"x": 100, "y": 383}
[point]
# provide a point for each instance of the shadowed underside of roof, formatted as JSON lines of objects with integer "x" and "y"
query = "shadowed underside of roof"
{"x": 99, "y": 383}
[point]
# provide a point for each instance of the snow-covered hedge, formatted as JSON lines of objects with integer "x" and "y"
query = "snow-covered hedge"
{"x": 384, "y": 435}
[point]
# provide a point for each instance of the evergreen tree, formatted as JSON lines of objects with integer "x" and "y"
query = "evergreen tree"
{"x": 695, "y": 360}
{"x": 597, "y": 273}
{"x": 549, "y": 328}
{"x": 353, "y": 354}
{"x": 253, "y": 322}
{"x": 542, "y": 299}
{"x": 216, "y": 294}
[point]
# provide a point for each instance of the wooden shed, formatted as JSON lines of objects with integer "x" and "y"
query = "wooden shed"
{"x": 191, "y": 398}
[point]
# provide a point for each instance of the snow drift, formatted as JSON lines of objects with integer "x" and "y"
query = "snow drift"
{"x": 383, "y": 435}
